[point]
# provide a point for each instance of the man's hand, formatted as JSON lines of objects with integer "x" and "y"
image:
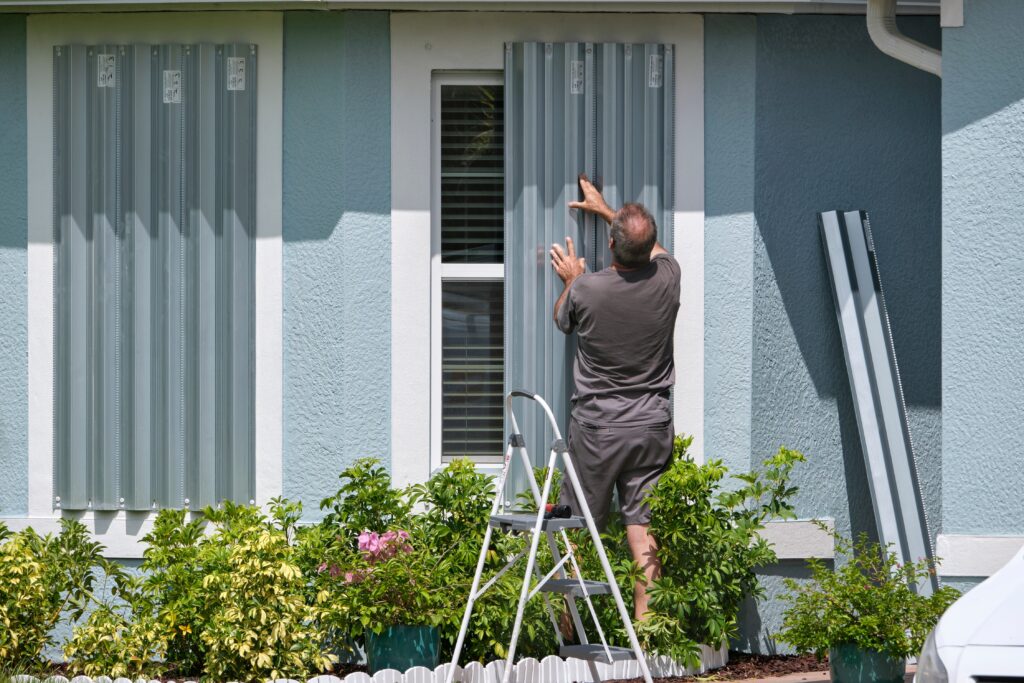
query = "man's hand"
{"x": 593, "y": 201}
{"x": 566, "y": 264}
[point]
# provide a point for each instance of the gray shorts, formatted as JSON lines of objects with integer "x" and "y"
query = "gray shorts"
{"x": 626, "y": 457}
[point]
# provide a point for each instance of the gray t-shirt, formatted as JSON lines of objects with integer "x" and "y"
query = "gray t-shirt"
{"x": 624, "y": 322}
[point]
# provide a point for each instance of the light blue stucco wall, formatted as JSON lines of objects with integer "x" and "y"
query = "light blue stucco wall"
{"x": 13, "y": 269}
{"x": 337, "y": 247}
{"x": 983, "y": 270}
{"x": 730, "y": 56}
{"x": 836, "y": 125}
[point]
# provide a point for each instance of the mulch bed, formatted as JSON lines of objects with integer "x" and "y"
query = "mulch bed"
{"x": 742, "y": 666}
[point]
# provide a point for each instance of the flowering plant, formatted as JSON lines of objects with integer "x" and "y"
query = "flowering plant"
{"x": 386, "y": 580}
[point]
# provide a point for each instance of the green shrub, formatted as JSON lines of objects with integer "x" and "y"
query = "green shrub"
{"x": 867, "y": 601}
{"x": 42, "y": 579}
{"x": 709, "y": 547}
{"x": 229, "y": 602}
{"x": 260, "y": 626}
{"x": 366, "y": 500}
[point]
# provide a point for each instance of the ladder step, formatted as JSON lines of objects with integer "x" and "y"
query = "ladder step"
{"x": 526, "y": 522}
{"x": 596, "y": 653}
{"x": 572, "y": 587}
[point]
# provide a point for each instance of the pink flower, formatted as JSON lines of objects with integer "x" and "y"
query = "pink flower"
{"x": 322, "y": 568}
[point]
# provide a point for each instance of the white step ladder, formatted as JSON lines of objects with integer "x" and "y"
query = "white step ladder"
{"x": 558, "y": 579}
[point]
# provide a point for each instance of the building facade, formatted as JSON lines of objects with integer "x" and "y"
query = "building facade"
{"x": 289, "y": 249}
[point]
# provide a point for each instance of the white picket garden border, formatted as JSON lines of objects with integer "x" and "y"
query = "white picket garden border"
{"x": 548, "y": 670}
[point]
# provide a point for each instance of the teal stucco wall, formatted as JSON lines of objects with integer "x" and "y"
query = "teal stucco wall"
{"x": 825, "y": 121}
{"x": 13, "y": 269}
{"x": 983, "y": 270}
{"x": 337, "y": 246}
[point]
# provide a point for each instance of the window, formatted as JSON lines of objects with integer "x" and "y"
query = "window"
{"x": 154, "y": 222}
{"x": 468, "y": 334}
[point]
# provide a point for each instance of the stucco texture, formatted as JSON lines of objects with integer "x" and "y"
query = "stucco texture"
{"x": 837, "y": 125}
{"x": 983, "y": 270}
{"x": 13, "y": 269}
{"x": 337, "y": 292}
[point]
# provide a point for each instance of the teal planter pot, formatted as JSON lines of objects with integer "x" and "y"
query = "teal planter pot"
{"x": 403, "y": 647}
{"x": 851, "y": 664}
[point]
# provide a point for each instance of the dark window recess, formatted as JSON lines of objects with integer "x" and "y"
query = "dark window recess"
{"x": 472, "y": 174}
{"x": 472, "y": 369}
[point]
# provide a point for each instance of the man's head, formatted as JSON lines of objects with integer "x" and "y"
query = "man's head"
{"x": 633, "y": 235}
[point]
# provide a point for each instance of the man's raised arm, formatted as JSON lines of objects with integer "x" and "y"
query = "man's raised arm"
{"x": 593, "y": 201}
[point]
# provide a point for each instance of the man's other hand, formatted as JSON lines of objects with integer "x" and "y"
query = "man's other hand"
{"x": 593, "y": 200}
{"x": 566, "y": 264}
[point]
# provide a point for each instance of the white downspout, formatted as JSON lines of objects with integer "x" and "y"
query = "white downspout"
{"x": 887, "y": 37}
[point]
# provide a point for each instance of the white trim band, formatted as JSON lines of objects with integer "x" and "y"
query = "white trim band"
{"x": 970, "y": 556}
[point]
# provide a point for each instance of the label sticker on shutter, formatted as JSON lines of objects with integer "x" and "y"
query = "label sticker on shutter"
{"x": 577, "y": 77}
{"x": 655, "y": 71}
{"x": 172, "y": 87}
{"x": 236, "y": 73}
{"x": 104, "y": 70}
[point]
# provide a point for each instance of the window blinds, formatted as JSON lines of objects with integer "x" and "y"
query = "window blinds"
{"x": 603, "y": 109}
{"x": 154, "y": 229}
{"x": 472, "y": 171}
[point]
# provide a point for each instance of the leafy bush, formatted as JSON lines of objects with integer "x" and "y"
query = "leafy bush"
{"x": 228, "y": 601}
{"x": 709, "y": 547}
{"x": 867, "y": 602}
{"x": 42, "y": 579}
{"x": 366, "y": 500}
{"x": 240, "y": 596}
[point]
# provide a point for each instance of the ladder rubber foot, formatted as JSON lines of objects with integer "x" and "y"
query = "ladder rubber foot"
{"x": 596, "y": 653}
{"x": 526, "y": 522}
{"x": 572, "y": 588}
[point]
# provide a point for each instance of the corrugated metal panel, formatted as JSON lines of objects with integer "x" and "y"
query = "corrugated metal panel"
{"x": 603, "y": 109}
{"x": 154, "y": 201}
{"x": 875, "y": 383}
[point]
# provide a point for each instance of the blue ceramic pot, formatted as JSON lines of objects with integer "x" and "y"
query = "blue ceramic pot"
{"x": 403, "y": 647}
{"x": 851, "y": 664}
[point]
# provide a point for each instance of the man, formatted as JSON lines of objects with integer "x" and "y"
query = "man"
{"x": 620, "y": 431}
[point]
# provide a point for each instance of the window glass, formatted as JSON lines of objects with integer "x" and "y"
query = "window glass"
{"x": 472, "y": 364}
{"x": 472, "y": 174}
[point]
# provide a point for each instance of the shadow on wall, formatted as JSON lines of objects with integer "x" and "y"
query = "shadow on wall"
{"x": 763, "y": 620}
{"x": 853, "y": 130}
{"x": 986, "y": 77}
{"x": 839, "y": 125}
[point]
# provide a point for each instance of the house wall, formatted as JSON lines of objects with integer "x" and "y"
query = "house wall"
{"x": 337, "y": 241}
{"x": 804, "y": 114}
{"x": 983, "y": 270}
{"x": 13, "y": 280}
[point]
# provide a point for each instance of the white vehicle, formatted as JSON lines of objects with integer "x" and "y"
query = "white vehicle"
{"x": 980, "y": 638}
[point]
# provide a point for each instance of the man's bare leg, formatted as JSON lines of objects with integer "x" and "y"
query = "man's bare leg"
{"x": 645, "y": 553}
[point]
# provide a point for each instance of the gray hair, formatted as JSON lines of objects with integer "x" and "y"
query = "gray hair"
{"x": 634, "y": 234}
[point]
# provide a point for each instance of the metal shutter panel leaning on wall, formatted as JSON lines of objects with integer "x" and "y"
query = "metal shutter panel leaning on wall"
{"x": 606, "y": 109}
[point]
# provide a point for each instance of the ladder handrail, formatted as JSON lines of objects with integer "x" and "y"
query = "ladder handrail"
{"x": 533, "y": 397}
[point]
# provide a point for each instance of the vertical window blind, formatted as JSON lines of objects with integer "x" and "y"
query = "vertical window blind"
{"x": 472, "y": 251}
{"x": 154, "y": 234}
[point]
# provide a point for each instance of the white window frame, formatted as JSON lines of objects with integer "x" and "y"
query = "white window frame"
{"x": 466, "y": 272}
{"x": 120, "y": 531}
{"x": 423, "y": 43}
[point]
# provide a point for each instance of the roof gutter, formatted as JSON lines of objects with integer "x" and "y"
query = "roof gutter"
{"x": 888, "y": 38}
